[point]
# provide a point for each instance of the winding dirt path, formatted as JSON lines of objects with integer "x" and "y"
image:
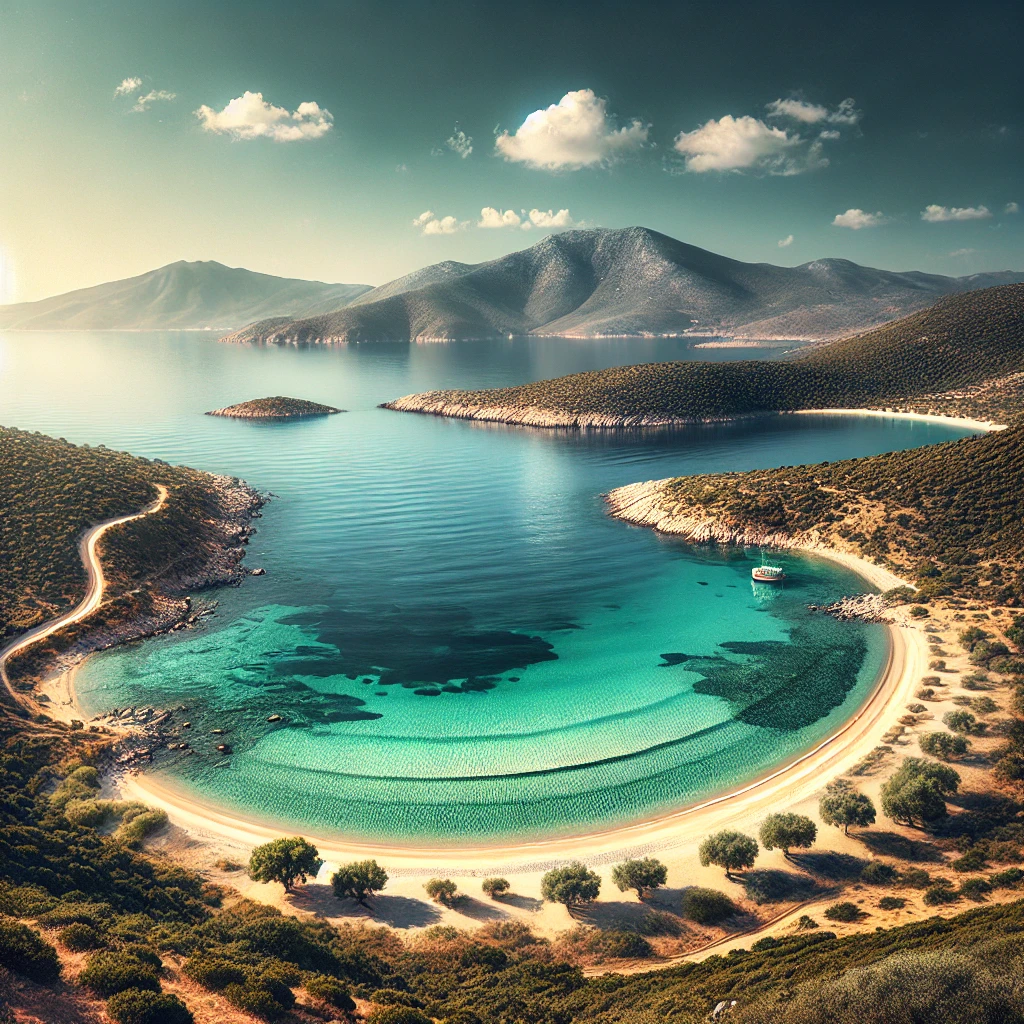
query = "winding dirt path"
{"x": 93, "y": 593}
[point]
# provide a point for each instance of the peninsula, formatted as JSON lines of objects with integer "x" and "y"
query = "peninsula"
{"x": 276, "y": 408}
{"x": 964, "y": 356}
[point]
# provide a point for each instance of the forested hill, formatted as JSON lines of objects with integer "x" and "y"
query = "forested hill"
{"x": 950, "y": 356}
{"x": 181, "y": 296}
{"x": 628, "y": 281}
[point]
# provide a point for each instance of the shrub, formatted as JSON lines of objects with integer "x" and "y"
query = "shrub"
{"x": 915, "y": 878}
{"x": 784, "y": 831}
{"x": 892, "y": 903}
{"x": 1010, "y": 878}
{"x": 944, "y": 745}
{"x": 962, "y": 722}
{"x": 768, "y": 942}
{"x": 441, "y": 890}
{"x": 972, "y": 860}
{"x": 24, "y": 951}
{"x": 918, "y": 611}
{"x": 877, "y": 872}
{"x": 482, "y": 954}
{"x": 843, "y": 911}
{"x": 398, "y": 1015}
{"x": 731, "y": 850}
{"x": 285, "y": 861}
{"x": 255, "y": 999}
{"x": 140, "y": 1006}
{"x": 213, "y": 972}
{"x": 640, "y": 875}
{"x": 975, "y": 888}
{"x": 571, "y": 885}
{"x": 107, "y": 973}
{"x": 617, "y": 944}
{"x": 707, "y": 906}
{"x": 941, "y": 891}
{"x": 331, "y": 991}
{"x": 79, "y": 937}
{"x": 495, "y": 887}
{"x": 358, "y": 880}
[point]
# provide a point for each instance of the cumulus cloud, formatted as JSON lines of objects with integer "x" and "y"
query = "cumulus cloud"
{"x": 430, "y": 224}
{"x": 938, "y": 214}
{"x": 573, "y": 133}
{"x": 741, "y": 143}
{"x": 143, "y": 103}
{"x": 1011, "y": 208}
{"x": 551, "y": 219}
{"x": 249, "y": 116}
{"x": 814, "y": 113}
{"x": 784, "y": 243}
{"x": 829, "y": 134}
{"x": 128, "y": 86}
{"x": 461, "y": 143}
{"x": 857, "y": 219}
{"x": 492, "y": 218}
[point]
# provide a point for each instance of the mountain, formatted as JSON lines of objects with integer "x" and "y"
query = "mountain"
{"x": 631, "y": 281}
{"x": 180, "y": 296}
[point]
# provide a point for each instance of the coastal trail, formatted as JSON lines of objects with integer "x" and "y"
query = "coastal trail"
{"x": 95, "y": 583}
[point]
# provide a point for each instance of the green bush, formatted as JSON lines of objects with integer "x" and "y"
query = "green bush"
{"x": 329, "y": 990}
{"x": 441, "y": 890}
{"x": 24, "y": 951}
{"x": 843, "y": 911}
{"x": 141, "y": 1006}
{"x": 972, "y": 860}
{"x": 707, "y": 906}
{"x": 213, "y": 972}
{"x": 255, "y": 999}
{"x": 877, "y": 872}
{"x": 107, "y": 973}
{"x": 398, "y": 1015}
{"x": 940, "y": 892}
{"x": 80, "y": 937}
{"x": 944, "y": 745}
{"x": 976, "y": 889}
{"x": 892, "y": 903}
{"x": 495, "y": 887}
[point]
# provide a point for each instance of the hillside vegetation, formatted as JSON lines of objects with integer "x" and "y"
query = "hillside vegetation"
{"x": 183, "y": 296}
{"x": 926, "y": 361}
{"x": 630, "y": 281}
{"x": 51, "y": 491}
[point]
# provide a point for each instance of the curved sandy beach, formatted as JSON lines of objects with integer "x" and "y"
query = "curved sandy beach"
{"x": 784, "y": 786}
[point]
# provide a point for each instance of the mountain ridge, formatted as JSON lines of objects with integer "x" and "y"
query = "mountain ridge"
{"x": 184, "y": 295}
{"x": 624, "y": 282}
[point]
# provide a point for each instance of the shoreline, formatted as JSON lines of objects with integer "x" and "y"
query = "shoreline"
{"x": 435, "y": 403}
{"x": 786, "y": 784}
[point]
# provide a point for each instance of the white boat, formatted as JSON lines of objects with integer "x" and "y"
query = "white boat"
{"x": 765, "y": 573}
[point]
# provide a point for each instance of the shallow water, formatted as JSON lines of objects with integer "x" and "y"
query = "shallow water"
{"x": 462, "y": 646}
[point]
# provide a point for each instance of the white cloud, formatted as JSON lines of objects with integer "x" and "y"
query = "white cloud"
{"x": 433, "y": 225}
{"x": 249, "y": 116}
{"x": 460, "y": 143}
{"x": 939, "y": 214}
{"x": 127, "y": 86}
{"x": 576, "y": 132}
{"x": 829, "y": 134}
{"x": 784, "y": 243}
{"x": 962, "y": 252}
{"x": 857, "y": 219}
{"x": 492, "y": 218}
{"x": 738, "y": 143}
{"x": 814, "y": 113}
{"x": 1011, "y": 208}
{"x": 143, "y": 103}
{"x": 551, "y": 219}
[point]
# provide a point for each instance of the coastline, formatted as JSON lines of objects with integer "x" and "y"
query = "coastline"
{"x": 794, "y": 780}
{"x": 436, "y": 403}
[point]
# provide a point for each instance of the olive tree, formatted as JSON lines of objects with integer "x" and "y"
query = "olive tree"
{"x": 641, "y": 875}
{"x": 358, "y": 880}
{"x": 784, "y": 831}
{"x": 842, "y": 806}
{"x": 730, "y": 850}
{"x": 285, "y": 861}
{"x": 441, "y": 890}
{"x": 917, "y": 791}
{"x": 572, "y": 885}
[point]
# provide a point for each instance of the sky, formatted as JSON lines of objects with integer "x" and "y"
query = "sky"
{"x": 358, "y": 141}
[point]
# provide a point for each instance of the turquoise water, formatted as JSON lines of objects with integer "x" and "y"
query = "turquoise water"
{"x": 462, "y": 646}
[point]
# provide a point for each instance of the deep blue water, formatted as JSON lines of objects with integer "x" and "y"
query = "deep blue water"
{"x": 461, "y": 644}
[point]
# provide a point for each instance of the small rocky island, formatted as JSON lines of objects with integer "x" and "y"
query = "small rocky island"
{"x": 277, "y": 408}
